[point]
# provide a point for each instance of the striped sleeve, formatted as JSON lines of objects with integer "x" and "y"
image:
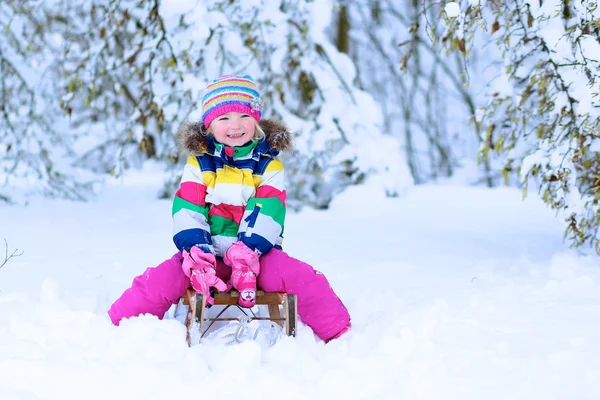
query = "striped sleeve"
{"x": 190, "y": 212}
{"x": 261, "y": 226}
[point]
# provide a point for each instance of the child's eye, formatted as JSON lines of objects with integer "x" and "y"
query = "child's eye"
{"x": 223, "y": 119}
{"x": 245, "y": 116}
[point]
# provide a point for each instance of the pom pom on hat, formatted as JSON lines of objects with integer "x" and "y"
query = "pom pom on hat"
{"x": 231, "y": 93}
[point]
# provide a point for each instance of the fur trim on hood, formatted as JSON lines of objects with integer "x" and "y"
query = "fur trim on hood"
{"x": 192, "y": 136}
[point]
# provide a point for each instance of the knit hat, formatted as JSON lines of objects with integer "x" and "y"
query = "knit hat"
{"x": 230, "y": 93}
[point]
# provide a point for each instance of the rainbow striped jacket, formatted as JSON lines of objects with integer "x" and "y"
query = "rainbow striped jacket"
{"x": 229, "y": 194}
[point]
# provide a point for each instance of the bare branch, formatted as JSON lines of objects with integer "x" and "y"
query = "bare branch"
{"x": 7, "y": 257}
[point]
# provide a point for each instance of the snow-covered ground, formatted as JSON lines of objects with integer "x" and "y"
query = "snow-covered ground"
{"x": 455, "y": 293}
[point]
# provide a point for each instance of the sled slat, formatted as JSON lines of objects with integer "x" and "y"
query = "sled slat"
{"x": 189, "y": 315}
{"x": 231, "y": 298}
{"x": 291, "y": 314}
{"x": 253, "y": 318}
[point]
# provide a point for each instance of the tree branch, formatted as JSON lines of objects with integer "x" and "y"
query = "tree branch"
{"x": 7, "y": 257}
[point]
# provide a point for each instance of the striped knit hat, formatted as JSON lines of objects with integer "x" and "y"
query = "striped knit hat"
{"x": 230, "y": 93}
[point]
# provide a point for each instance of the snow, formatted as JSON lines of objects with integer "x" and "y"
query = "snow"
{"x": 452, "y": 9}
{"x": 455, "y": 293}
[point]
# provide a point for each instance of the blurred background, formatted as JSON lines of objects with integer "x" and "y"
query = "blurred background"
{"x": 395, "y": 92}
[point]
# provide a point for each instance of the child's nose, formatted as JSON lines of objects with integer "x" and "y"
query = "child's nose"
{"x": 235, "y": 123}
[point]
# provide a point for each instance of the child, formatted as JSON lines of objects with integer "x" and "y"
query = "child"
{"x": 228, "y": 218}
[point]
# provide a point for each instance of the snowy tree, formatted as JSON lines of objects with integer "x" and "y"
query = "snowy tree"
{"x": 424, "y": 101}
{"x": 32, "y": 137}
{"x": 114, "y": 80}
{"x": 542, "y": 113}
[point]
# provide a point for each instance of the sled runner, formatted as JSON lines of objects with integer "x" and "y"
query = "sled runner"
{"x": 197, "y": 306}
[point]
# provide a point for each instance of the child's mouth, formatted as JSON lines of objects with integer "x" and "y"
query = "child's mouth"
{"x": 235, "y": 135}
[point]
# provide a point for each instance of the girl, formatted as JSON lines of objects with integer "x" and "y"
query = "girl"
{"x": 228, "y": 218}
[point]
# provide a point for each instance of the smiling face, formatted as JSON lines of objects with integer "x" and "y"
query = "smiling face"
{"x": 233, "y": 128}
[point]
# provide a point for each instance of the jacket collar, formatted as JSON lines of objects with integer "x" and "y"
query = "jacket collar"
{"x": 254, "y": 149}
{"x": 195, "y": 139}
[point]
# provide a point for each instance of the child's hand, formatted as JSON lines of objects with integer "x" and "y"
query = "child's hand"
{"x": 200, "y": 268}
{"x": 239, "y": 255}
{"x": 245, "y": 267}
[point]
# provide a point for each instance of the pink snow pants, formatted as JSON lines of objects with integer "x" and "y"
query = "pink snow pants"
{"x": 159, "y": 287}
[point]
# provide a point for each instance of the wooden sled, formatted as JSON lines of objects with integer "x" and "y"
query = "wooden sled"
{"x": 197, "y": 307}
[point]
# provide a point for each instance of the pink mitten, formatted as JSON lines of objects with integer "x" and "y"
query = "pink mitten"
{"x": 245, "y": 267}
{"x": 200, "y": 268}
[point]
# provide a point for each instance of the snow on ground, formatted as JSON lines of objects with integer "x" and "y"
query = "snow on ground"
{"x": 455, "y": 293}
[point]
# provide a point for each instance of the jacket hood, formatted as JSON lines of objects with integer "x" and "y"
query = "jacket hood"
{"x": 195, "y": 139}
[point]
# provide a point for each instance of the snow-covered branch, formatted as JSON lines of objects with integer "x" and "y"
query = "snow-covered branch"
{"x": 543, "y": 113}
